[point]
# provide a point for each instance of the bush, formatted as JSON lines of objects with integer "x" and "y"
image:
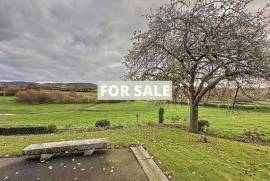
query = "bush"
{"x": 161, "y": 115}
{"x": 203, "y": 125}
{"x": 103, "y": 123}
{"x": 24, "y": 130}
{"x": 52, "y": 128}
{"x": 35, "y": 97}
{"x": 22, "y": 96}
{"x": 11, "y": 91}
{"x": 41, "y": 97}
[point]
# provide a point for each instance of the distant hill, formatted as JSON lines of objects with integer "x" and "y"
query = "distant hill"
{"x": 15, "y": 83}
{"x": 50, "y": 86}
{"x": 71, "y": 86}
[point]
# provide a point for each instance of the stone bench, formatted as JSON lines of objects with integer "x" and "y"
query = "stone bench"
{"x": 48, "y": 150}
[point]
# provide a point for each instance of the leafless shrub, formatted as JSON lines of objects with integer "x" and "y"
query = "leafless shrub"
{"x": 41, "y": 97}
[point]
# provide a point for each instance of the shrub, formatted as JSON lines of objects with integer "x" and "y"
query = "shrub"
{"x": 11, "y": 91}
{"x": 22, "y": 96}
{"x": 40, "y": 97}
{"x": 161, "y": 115}
{"x": 35, "y": 97}
{"x": 253, "y": 135}
{"x": 103, "y": 123}
{"x": 52, "y": 128}
{"x": 203, "y": 125}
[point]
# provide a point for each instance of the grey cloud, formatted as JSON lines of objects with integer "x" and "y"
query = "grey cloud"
{"x": 68, "y": 40}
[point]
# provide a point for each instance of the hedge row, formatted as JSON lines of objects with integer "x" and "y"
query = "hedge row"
{"x": 42, "y": 97}
{"x": 227, "y": 106}
{"x": 28, "y": 130}
{"x": 243, "y": 107}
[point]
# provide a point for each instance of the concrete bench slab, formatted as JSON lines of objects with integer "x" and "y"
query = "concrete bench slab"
{"x": 49, "y": 149}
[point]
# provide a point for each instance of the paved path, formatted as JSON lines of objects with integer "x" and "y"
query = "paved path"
{"x": 112, "y": 165}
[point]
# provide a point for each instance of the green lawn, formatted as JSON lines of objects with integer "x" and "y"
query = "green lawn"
{"x": 222, "y": 121}
{"x": 179, "y": 152}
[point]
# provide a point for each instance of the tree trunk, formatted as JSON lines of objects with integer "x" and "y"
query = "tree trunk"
{"x": 236, "y": 94}
{"x": 193, "y": 125}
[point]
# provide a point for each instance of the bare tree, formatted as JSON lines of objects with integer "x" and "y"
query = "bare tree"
{"x": 198, "y": 45}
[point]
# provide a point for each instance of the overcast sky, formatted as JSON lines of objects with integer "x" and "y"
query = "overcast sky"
{"x": 69, "y": 40}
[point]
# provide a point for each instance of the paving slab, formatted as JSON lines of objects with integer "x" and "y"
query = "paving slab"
{"x": 109, "y": 165}
{"x": 151, "y": 169}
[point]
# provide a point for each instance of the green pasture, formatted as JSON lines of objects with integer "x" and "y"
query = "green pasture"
{"x": 223, "y": 122}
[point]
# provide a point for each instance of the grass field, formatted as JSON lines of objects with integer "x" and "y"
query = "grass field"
{"x": 179, "y": 152}
{"x": 223, "y": 122}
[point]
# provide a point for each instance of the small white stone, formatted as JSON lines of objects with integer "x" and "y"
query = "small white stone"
{"x": 74, "y": 168}
{"x": 17, "y": 173}
{"x": 38, "y": 178}
{"x": 6, "y": 178}
{"x": 82, "y": 169}
{"x": 112, "y": 171}
{"x": 104, "y": 169}
{"x": 50, "y": 167}
{"x": 73, "y": 159}
{"x": 75, "y": 178}
{"x": 78, "y": 163}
